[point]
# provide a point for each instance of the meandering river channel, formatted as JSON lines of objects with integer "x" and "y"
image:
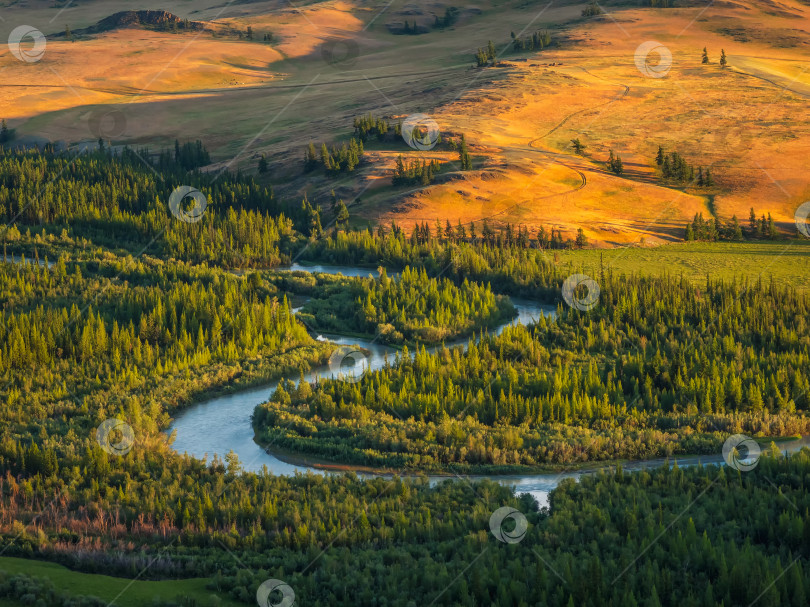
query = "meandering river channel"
{"x": 223, "y": 423}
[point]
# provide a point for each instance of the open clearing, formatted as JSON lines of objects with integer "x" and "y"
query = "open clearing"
{"x": 124, "y": 592}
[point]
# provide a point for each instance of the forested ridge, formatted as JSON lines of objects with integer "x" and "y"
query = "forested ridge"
{"x": 659, "y": 367}
{"x": 121, "y": 200}
{"x": 410, "y": 307}
{"x": 697, "y": 536}
{"x": 138, "y": 338}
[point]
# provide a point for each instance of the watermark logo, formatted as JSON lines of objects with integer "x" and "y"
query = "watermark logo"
{"x": 19, "y": 47}
{"x": 275, "y": 593}
{"x": 340, "y": 52}
{"x": 802, "y": 213}
{"x": 513, "y": 534}
{"x": 653, "y": 59}
{"x": 184, "y": 212}
{"x": 572, "y": 292}
{"x": 115, "y": 436}
{"x": 420, "y": 132}
{"x": 349, "y": 364}
{"x": 741, "y": 452}
{"x": 107, "y": 123}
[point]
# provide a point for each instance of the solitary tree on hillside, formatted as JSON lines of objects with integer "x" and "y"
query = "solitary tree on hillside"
{"x": 263, "y": 164}
{"x": 723, "y": 60}
{"x": 705, "y": 55}
{"x": 464, "y": 155}
{"x": 578, "y": 146}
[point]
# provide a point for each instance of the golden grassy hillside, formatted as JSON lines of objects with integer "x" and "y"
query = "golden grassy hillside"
{"x": 747, "y": 121}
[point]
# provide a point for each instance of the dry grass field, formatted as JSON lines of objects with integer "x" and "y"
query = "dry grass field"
{"x": 747, "y": 121}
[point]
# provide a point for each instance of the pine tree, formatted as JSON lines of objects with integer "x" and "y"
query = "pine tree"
{"x": 342, "y": 217}
{"x": 464, "y": 154}
{"x": 723, "y": 60}
{"x": 705, "y": 58}
{"x": 5, "y": 132}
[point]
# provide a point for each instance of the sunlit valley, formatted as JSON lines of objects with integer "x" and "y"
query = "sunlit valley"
{"x": 404, "y": 304}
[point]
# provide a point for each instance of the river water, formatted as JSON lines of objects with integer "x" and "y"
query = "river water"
{"x": 222, "y": 424}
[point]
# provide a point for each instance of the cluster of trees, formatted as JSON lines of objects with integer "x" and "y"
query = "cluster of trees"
{"x": 414, "y": 172}
{"x": 121, "y": 200}
{"x": 451, "y": 14}
{"x": 592, "y": 10}
{"x": 674, "y": 167}
{"x": 536, "y": 42}
{"x": 371, "y": 125}
{"x": 412, "y": 30}
{"x": 188, "y": 155}
{"x": 507, "y": 237}
{"x": 487, "y": 55}
{"x": 712, "y": 230}
{"x": 83, "y": 328}
{"x": 723, "y": 59}
{"x": 171, "y": 24}
{"x": 657, "y": 368}
{"x": 335, "y": 160}
{"x": 762, "y": 227}
{"x": 413, "y": 307}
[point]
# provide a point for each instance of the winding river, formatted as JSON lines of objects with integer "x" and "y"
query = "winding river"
{"x": 219, "y": 425}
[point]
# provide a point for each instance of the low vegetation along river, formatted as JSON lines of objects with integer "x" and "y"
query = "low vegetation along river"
{"x": 223, "y": 424}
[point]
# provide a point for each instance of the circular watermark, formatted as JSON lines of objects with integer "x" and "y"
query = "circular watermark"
{"x": 420, "y": 132}
{"x": 741, "y": 461}
{"x": 107, "y": 123}
{"x": 183, "y": 212}
{"x": 802, "y": 213}
{"x": 25, "y": 53}
{"x": 572, "y": 294}
{"x": 348, "y": 364}
{"x": 500, "y": 516}
{"x": 340, "y": 52}
{"x": 284, "y": 594}
{"x": 115, "y": 436}
{"x": 646, "y": 62}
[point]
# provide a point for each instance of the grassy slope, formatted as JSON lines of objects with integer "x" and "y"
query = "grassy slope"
{"x": 748, "y": 121}
{"x": 786, "y": 262}
{"x": 124, "y": 592}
